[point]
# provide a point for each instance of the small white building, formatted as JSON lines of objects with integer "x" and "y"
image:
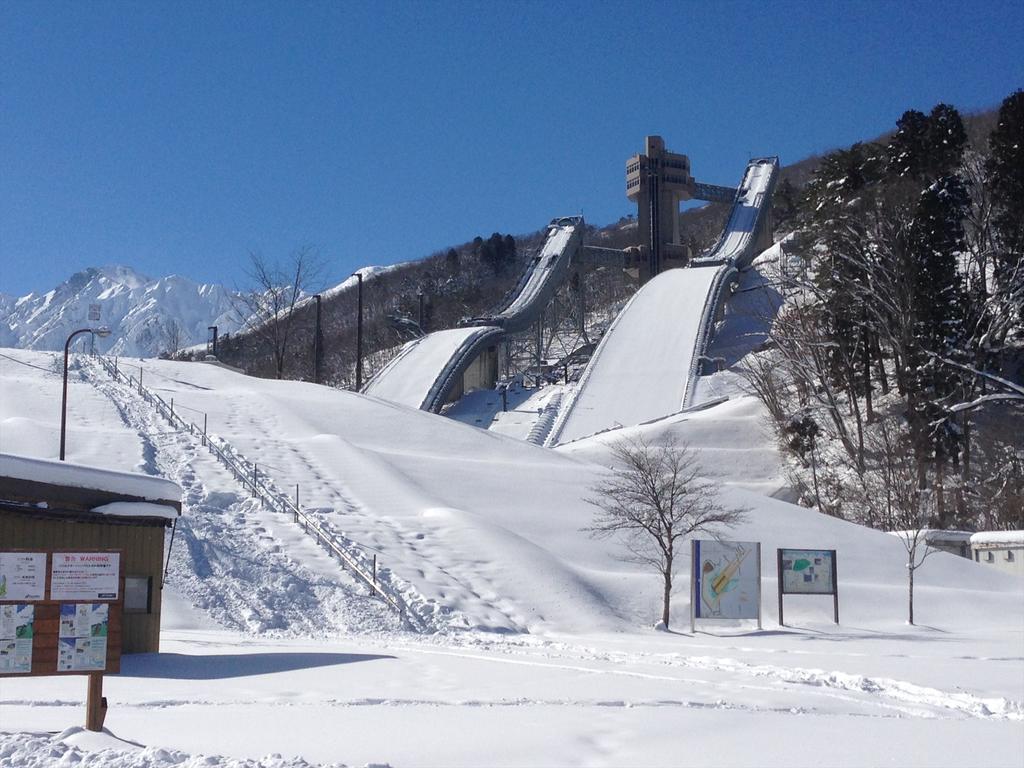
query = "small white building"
{"x": 955, "y": 542}
{"x": 1000, "y": 549}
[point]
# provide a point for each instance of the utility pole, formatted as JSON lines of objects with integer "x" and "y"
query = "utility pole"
{"x": 358, "y": 336}
{"x": 318, "y": 345}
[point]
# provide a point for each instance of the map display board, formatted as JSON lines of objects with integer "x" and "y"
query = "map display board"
{"x": 84, "y": 576}
{"x": 22, "y": 576}
{"x": 808, "y": 571}
{"x": 726, "y": 579}
{"x": 82, "y": 645}
{"x": 61, "y": 612}
{"x": 16, "y": 630}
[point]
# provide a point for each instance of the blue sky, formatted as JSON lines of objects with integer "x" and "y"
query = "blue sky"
{"x": 179, "y": 137}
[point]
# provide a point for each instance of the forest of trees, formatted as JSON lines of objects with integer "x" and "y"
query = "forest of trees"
{"x": 894, "y": 374}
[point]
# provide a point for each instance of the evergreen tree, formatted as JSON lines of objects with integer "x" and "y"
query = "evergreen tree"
{"x": 510, "y": 249}
{"x": 909, "y": 146}
{"x": 936, "y": 238}
{"x": 946, "y": 140}
{"x": 785, "y": 202}
{"x": 1005, "y": 177}
{"x": 452, "y": 262}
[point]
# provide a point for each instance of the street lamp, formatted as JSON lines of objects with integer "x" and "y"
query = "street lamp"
{"x": 318, "y": 345}
{"x": 102, "y": 333}
{"x": 359, "y": 335}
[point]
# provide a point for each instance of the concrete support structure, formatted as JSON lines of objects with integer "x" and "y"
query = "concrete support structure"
{"x": 658, "y": 181}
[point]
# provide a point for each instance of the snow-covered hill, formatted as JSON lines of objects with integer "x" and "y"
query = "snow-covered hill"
{"x": 526, "y": 625}
{"x": 146, "y": 316}
{"x": 269, "y": 647}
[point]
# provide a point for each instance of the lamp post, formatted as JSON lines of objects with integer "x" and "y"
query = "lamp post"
{"x": 359, "y": 334}
{"x": 102, "y": 333}
{"x": 318, "y": 345}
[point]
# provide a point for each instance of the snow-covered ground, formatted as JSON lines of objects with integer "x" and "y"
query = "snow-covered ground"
{"x": 539, "y": 649}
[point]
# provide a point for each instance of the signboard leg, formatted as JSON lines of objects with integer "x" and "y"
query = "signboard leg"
{"x": 95, "y": 703}
{"x": 759, "y": 585}
{"x": 779, "y": 575}
{"x": 835, "y": 588}
{"x": 693, "y": 585}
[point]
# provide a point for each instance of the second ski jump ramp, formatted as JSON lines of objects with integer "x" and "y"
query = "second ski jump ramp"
{"x": 428, "y": 369}
{"x": 417, "y": 375}
{"x": 647, "y": 362}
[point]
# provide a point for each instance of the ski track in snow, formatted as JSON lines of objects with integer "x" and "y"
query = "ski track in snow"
{"x": 227, "y": 543}
{"x": 883, "y": 697}
{"x": 909, "y": 698}
{"x": 358, "y": 528}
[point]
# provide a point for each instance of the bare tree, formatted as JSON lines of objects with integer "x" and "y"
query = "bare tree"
{"x": 171, "y": 337}
{"x": 655, "y": 499}
{"x": 906, "y": 509}
{"x": 268, "y": 309}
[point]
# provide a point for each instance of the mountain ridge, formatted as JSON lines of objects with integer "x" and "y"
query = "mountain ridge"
{"x": 147, "y": 316}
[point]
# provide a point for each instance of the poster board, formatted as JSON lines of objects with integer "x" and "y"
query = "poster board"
{"x": 808, "y": 572}
{"x": 60, "y": 612}
{"x": 726, "y": 580}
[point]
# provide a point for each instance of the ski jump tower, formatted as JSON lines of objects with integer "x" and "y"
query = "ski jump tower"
{"x": 657, "y": 181}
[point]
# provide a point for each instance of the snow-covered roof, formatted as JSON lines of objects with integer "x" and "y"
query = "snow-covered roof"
{"x": 136, "y": 509}
{"x": 997, "y": 538}
{"x": 81, "y": 476}
{"x": 936, "y": 534}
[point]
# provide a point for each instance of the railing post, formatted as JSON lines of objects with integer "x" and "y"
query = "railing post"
{"x": 296, "y": 502}
{"x": 254, "y": 474}
{"x": 140, "y": 379}
{"x": 115, "y": 366}
{"x": 375, "y": 570}
{"x": 204, "y": 429}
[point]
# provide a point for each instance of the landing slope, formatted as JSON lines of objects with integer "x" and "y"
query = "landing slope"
{"x": 640, "y": 369}
{"x": 646, "y": 365}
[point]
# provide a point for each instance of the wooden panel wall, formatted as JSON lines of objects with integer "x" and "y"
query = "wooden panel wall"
{"x": 143, "y": 547}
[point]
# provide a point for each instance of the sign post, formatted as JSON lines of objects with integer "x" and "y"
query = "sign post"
{"x": 808, "y": 572}
{"x": 726, "y": 581}
{"x": 60, "y": 613}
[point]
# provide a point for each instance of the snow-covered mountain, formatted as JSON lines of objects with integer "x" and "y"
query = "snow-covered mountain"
{"x": 145, "y": 316}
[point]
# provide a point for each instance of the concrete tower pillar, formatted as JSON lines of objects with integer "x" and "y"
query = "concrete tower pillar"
{"x": 658, "y": 181}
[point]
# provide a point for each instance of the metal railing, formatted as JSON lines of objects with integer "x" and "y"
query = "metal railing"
{"x": 247, "y": 473}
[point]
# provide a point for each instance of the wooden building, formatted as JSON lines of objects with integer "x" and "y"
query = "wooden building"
{"x": 47, "y": 504}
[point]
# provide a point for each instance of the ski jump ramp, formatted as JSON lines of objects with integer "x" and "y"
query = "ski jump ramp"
{"x": 428, "y": 369}
{"x": 647, "y": 363}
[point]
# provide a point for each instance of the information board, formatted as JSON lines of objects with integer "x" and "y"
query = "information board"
{"x": 16, "y": 632}
{"x": 61, "y": 612}
{"x": 22, "y": 576}
{"x": 808, "y": 571}
{"x": 82, "y": 645}
{"x": 726, "y": 579}
{"x": 84, "y": 576}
